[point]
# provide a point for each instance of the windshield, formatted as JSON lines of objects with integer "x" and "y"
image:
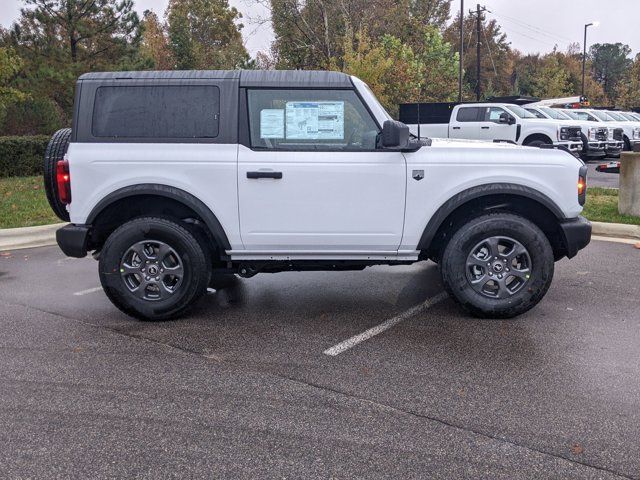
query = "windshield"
{"x": 602, "y": 116}
{"x": 617, "y": 116}
{"x": 535, "y": 112}
{"x": 520, "y": 112}
{"x": 555, "y": 114}
{"x": 579, "y": 115}
{"x": 629, "y": 116}
{"x": 376, "y": 101}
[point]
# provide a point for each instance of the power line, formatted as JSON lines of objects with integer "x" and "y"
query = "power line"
{"x": 533, "y": 28}
{"x": 495, "y": 71}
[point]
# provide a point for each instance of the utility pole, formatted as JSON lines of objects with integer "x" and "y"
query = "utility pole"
{"x": 460, "y": 67}
{"x": 479, "y": 19}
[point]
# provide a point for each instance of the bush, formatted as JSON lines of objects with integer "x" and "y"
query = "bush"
{"x": 22, "y": 156}
{"x": 30, "y": 116}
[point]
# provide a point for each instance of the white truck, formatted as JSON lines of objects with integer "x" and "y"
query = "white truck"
{"x": 176, "y": 180}
{"x": 594, "y": 138}
{"x": 615, "y": 133}
{"x": 492, "y": 122}
{"x": 630, "y": 127}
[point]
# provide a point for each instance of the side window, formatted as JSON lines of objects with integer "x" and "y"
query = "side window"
{"x": 492, "y": 114}
{"x": 310, "y": 120}
{"x": 468, "y": 114}
{"x": 535, "y": 112}
{"x": 156, "y": 111}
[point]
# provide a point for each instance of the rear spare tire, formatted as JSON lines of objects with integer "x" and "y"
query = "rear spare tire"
{"x": 55, "y": 152}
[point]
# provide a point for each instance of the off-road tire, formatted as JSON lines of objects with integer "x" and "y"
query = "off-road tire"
{"x": 453, "y": 267}
{"x": 56, "y": 149}
{"x": 193, "y": 255}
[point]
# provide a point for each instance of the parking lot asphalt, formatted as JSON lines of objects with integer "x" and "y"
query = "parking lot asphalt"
{"x": 241, "y": 387}
{"x": 600, "y": 179}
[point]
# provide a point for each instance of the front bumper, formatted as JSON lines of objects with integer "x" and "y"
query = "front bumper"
{"x": 73, "y": 240}
{"x": 577, "y": 234}
{"x": 614, "y": 148}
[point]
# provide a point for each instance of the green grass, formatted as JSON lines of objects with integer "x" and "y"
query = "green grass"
{"x": 23, "y": 203}
{"x": 602, "y": 206}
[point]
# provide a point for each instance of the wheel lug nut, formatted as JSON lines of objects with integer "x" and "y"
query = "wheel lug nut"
{"x": 499, "y": 276}
{"x": 491, "y": 274}
{"x": 157, "y": 278}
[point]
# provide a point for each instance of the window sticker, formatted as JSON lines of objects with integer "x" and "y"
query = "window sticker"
{"x": 272, "y": 123}
{"x": 315, "y": 120}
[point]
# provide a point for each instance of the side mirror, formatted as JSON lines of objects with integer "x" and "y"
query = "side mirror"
{"x": 396, "y": 136}
{"x": 507, "y": 119}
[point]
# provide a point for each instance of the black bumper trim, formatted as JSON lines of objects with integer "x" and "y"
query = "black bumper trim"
{"x": 577, "y": 234}
{"x": 72, "y": 240}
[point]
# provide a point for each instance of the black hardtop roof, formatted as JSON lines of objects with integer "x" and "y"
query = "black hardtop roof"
{"x": 247, "y": 78}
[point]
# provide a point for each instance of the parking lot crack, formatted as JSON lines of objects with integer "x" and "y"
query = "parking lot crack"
{"x": 447, "y": 424}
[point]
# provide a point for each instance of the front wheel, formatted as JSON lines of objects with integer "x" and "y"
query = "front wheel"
{"x": 498, "y": 265}
{"x": 154, "y": 268}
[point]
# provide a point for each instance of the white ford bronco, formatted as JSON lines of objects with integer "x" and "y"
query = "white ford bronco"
{"x": 178, "y": 180}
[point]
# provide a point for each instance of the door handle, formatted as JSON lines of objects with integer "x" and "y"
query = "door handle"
{"x": 456, "y": 128}
{"x": 484, "y": 128}
{"x": 276, "y": 175}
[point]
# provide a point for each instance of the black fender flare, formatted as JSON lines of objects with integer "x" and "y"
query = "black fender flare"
{"x": 438, "y": 218}
{"x": 173, "y": 193}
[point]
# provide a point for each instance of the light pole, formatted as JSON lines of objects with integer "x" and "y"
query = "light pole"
{"x": 584, "y": 54}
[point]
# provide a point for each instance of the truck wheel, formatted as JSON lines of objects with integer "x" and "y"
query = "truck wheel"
{"x": 153, "y": 268}
{"x": 498, "y": 265}
{"x": 536, "y": 143}
{"x": 55, "y": 151}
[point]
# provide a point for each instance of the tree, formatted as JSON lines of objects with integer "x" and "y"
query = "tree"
{"x": 61, "y": 39}
{"x": 155, "y": 44}
{"x": 310, "y": 33}
{"x": 497, "y": 58}
{"x": 628, "y": 92}
{"x": 87, "y": 31}
{"x": 10, "y": 67}
{"x": 204, "y": 34}
{"x": 609, "y": 63}
{"x": 398, "y": 74}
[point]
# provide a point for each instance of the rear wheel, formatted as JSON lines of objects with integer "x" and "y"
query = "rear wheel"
{"x": 498, "y": 265}
{"x": 153, "y": 268}
{"x": 55, "y": 152}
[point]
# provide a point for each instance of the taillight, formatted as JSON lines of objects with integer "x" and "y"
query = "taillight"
{"x": 64, "y": 182}
{"x": 582, "y": 185}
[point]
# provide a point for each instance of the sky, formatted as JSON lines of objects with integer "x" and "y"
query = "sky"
{"x": 531, "y": 25}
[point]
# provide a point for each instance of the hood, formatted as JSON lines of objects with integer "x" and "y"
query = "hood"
{"x": 483, "y": 152}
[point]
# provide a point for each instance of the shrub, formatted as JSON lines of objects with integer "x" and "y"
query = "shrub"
{"x": 30, "y": 116}
{"x": 22, "y": 156}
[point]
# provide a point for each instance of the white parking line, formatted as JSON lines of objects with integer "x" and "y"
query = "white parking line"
{"x": 384, "y": 326}
{"x": 89, "y": 290}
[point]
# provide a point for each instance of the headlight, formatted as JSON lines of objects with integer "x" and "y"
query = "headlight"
{"x": 563, "y": 133}
{"x": 636, "y": 133}
{"x": 592, "y": 134}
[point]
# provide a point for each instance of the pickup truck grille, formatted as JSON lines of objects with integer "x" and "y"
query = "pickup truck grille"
{"x": 574, "y": 133}
{"x": 601, "y": 134}
{"x": 618, "y": 134}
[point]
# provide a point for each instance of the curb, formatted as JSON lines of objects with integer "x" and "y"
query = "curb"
{"x": 28, "y": 237}
{"x": 45, "y": 235}
{"x": 616, "y": 230}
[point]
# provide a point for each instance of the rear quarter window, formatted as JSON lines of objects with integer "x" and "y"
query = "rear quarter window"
{"x": 156, "y": 111}
{"x": 469, "y": 114}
